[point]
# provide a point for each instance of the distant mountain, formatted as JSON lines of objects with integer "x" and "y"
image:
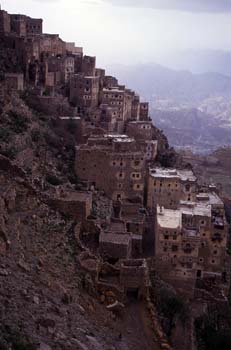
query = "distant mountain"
{"x": 193, "y": 110}
{"x": 199, "y": 61}
{"x": 192, "y": 129}
{"x": 155, "y": 81}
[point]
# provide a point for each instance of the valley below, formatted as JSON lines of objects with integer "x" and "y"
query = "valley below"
{"x": 193, "y": 110}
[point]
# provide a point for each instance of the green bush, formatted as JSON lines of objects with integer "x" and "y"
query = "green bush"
{"x": 14, "y": 340}
{"x": 53, "y": 180}
{"x": 18, "y": 122}
{"x": 36, "y": 135}
{"x": 172, "y": 307}
{"x": 9, "y": 152}
{"x": 5, "y": 134}
{"x": 169, "y": 304}
{"x": 209, "y": 336}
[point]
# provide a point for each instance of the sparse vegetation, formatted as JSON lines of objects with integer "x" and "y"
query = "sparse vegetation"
{"x": 18, "y": 122}
{"x": 5, "y": 134}
{"x": 9, "y": 151}
{"x": 12, "y": 339}
{"x": 209, "y": 336}
{"x": 53, "y": 180}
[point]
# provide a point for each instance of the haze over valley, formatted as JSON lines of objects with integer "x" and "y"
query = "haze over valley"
{"x": 193, "y": 109}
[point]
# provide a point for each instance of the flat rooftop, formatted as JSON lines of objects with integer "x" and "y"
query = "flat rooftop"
{"x": 74, "y": 196}
{"x": 117, "y": 227}
{"x": 195, "y": 208}
{"x": 13, "y": 75}
{"x": 140, "y": 122}
{"x": 211, "y": 198}
{"x": 168, "y": 218}
{"x": 119, "y": 139}
{"x": 70, "y": 118}
{"x": 114, "y": 90}
{"x": 113, "y": 238}
{"x": 184, "y": 175}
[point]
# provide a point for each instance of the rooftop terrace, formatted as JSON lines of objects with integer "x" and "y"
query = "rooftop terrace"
{"x": 183, "y": 175}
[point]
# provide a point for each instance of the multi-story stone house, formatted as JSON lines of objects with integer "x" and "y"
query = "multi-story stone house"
{"x": 113, "y": 164}
{"x": 167, "y": 187}
{"x": 190, "y": 243}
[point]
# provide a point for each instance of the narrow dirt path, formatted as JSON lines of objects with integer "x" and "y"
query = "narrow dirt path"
{"x": 136, "y": 332}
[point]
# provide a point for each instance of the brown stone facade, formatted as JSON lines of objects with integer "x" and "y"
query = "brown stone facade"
{"x": 112, "y": 164}
{"x": 84, "y": 91}
{"x": 191, "y": 243}
{"x": 167, "y": 187}
{"x": 14, "y": 81}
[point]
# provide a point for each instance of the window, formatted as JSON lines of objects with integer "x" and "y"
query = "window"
{"x": 166, "y": 237}
{"x": 174, "y": 248}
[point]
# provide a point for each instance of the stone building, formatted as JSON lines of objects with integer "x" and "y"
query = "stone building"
{"x": 51, "y": 44}
{"x": 26, "y": 26}
{"x": 63, "y": 67}
{"x": 75, "y": 204}
{"x": 14, "y": 81}
{"x": 102, "y": 118}
{"x": 113, "y": 164}
{"x": 144, "y": 111}
{"x": 114, "y": 246}
{"x": 167, "y": 187}
{"x": 88, "y": 66}
{"x": 190, "y": 243}
{"x": 110, "y": 82}
{"x": 74, "y": 50}
{"x": 5, "y": 22}
{"x": 134, "y": 277}
{"x": 120, "y": 98}
{"x": 84, "y": 91}
{"x": 135, "y": 108}
{"x": 142, "y": 132}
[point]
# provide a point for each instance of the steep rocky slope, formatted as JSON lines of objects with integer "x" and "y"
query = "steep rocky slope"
{"x": 45, "y": 302}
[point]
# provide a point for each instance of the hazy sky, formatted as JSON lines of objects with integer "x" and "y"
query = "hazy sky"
{"x": 125, "y": 31}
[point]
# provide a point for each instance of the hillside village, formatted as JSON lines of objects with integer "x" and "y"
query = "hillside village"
{"x": 139, "y": 213}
